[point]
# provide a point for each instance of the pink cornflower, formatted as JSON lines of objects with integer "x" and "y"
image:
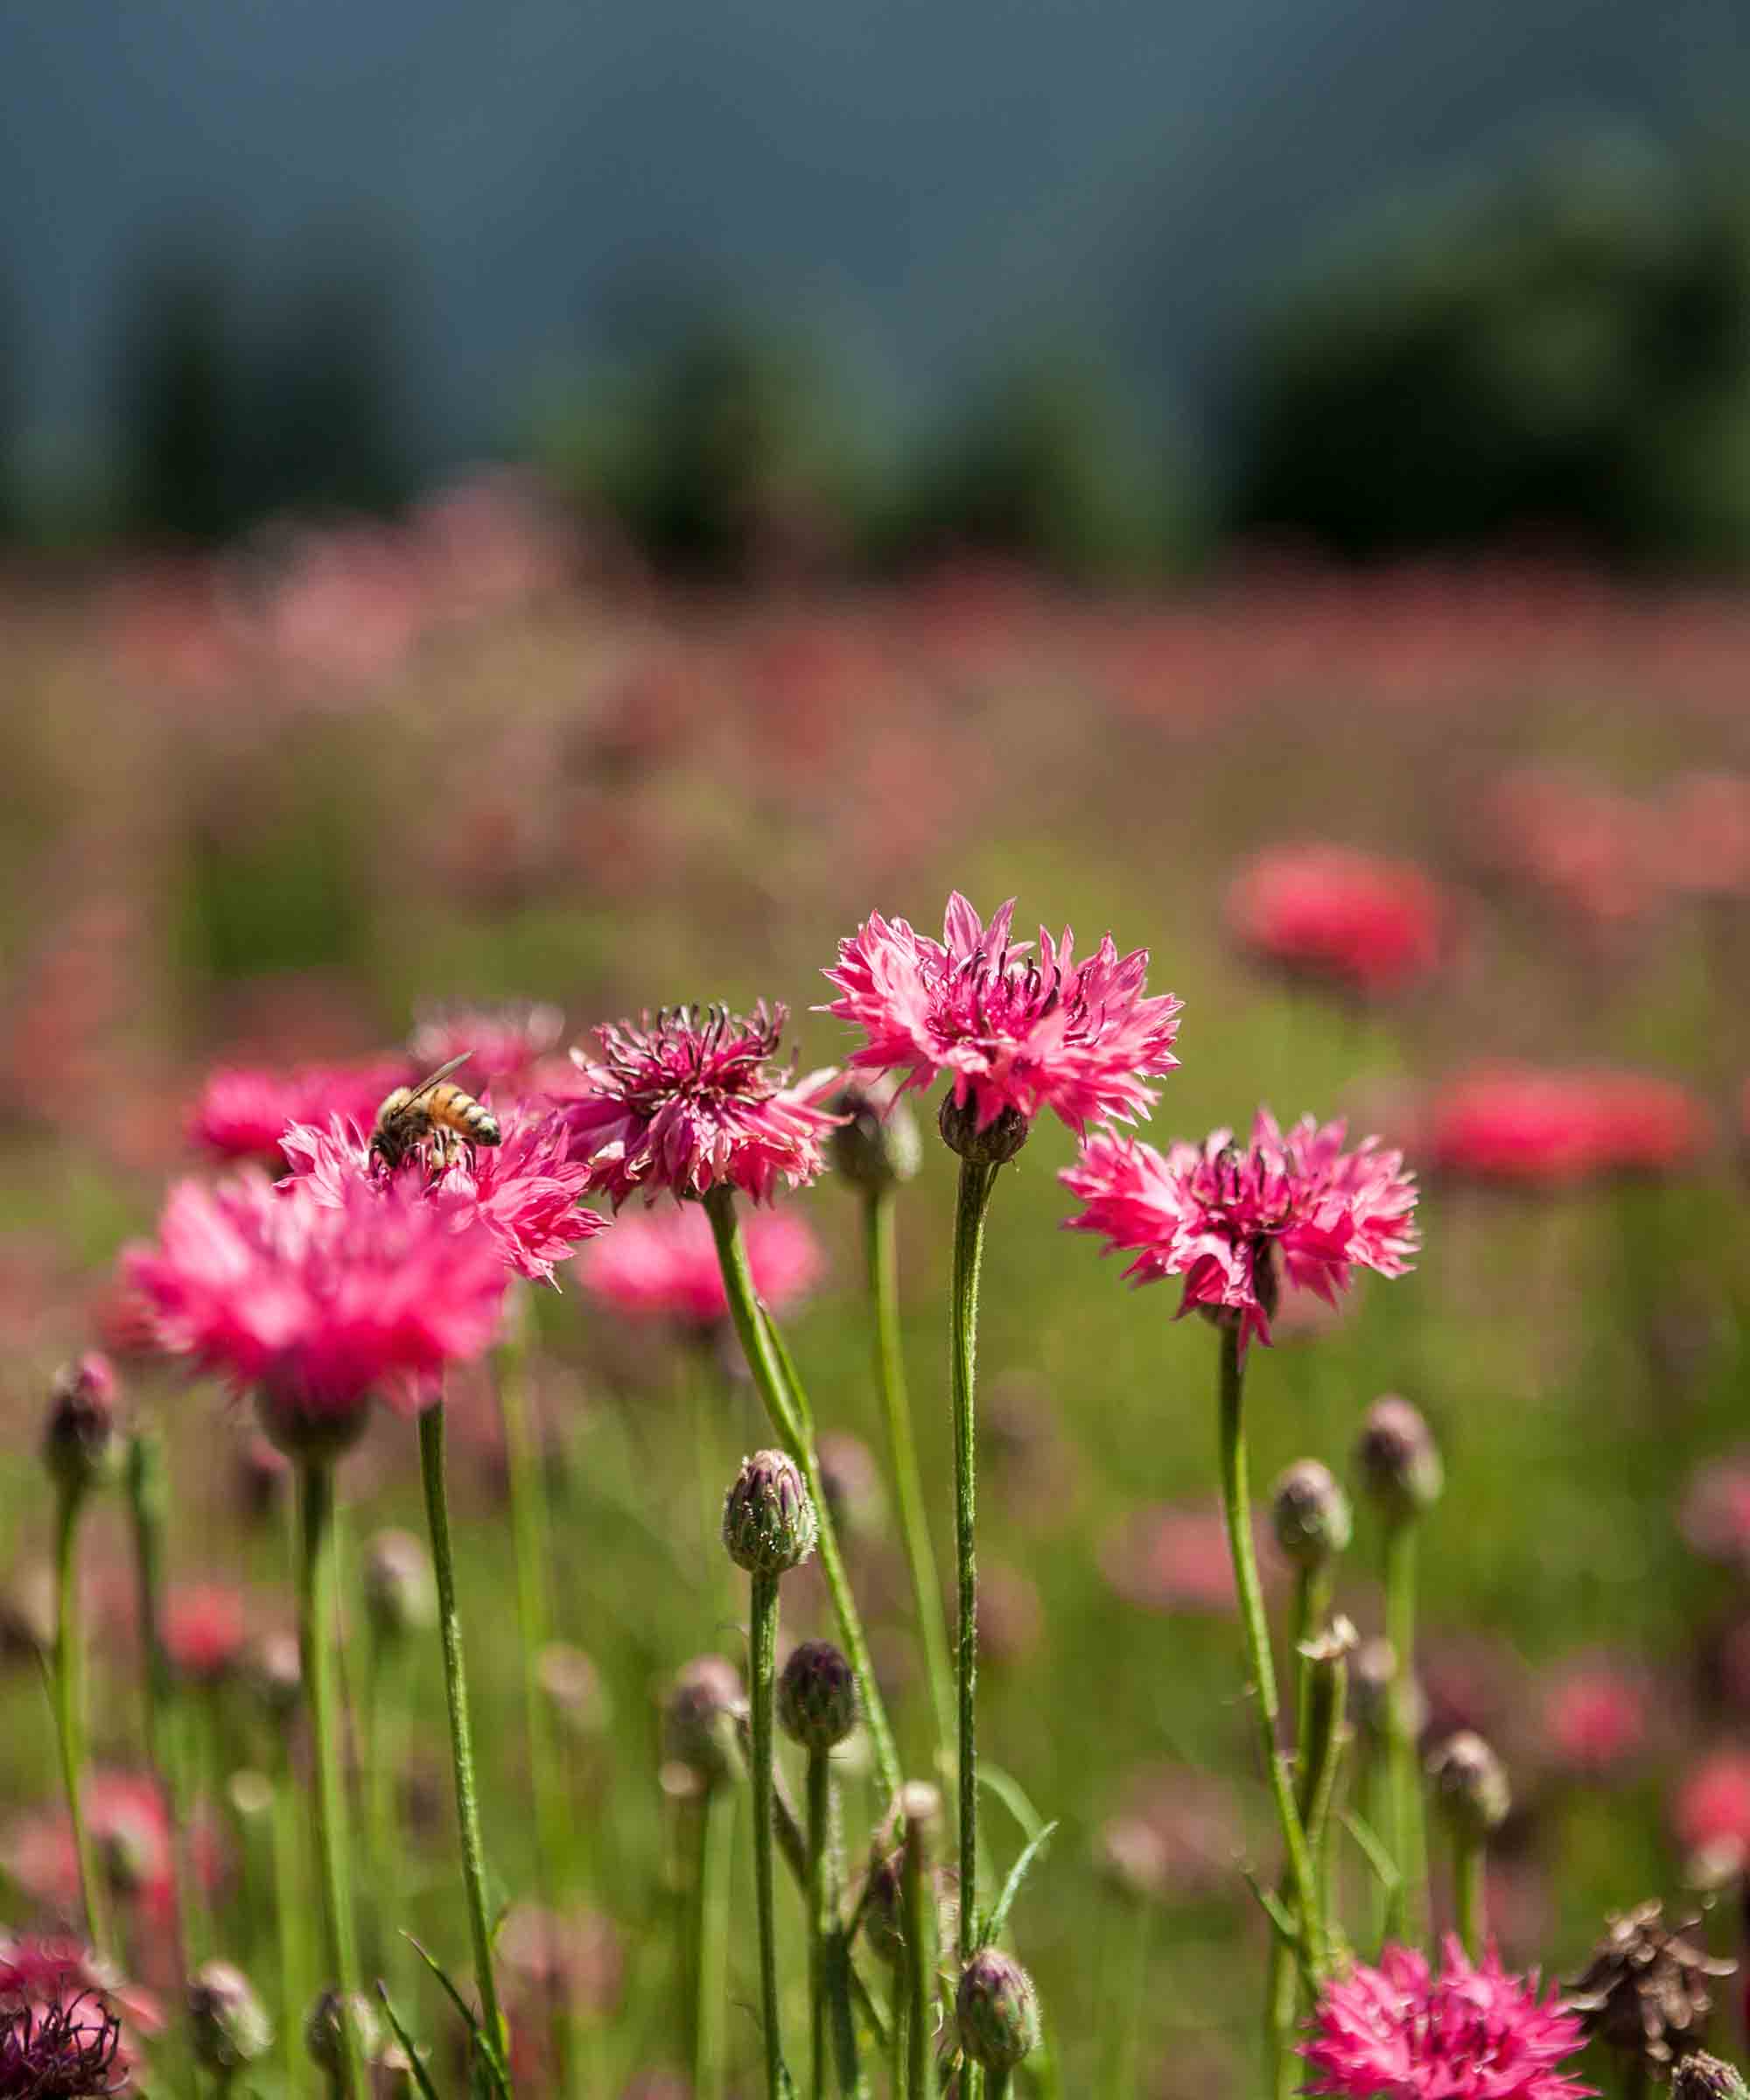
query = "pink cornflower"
{"x": 1520, "y": 1126}
{"x": 1368, "y": 924}
{"x": 243, "y": 1111}
{"x": 321, "y": 1306}
{"x": 663, "y": 1264}
{"x": 525, "y": 1190}
{"x": 1224, "y": 1218}
{"x": 125, "y": 1814}
{"x": 1710, "y": 1813}
{"x": 1019, "y": 1031}
{"x": 1473, "y": 2033}
{"x": 205, "y": 1627}
{"x": 84, "y": 2025}
{"x": 689, "y": 1100}
{"x": 506, "y": 1046}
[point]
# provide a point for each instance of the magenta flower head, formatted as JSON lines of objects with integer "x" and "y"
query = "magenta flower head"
{"x": 525, "y": 1190}
{"x": 506, "y": 1046}
{"x": 662, "y": 1265}
{"x": 243, "y": 1111}
{"x": 1234, "y": 1224}
{"x": 319, "y": 1307}
{"x": 689, "y": 1100}
{"x": 1020, "y": 1031}
{"x": 1473, "y": 2033}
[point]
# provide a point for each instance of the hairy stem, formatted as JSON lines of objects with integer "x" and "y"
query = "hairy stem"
{"x": 712, "y": 1895}
{"x": 1407, "y": 1914}
{"x": 316, "y": 1613}
{"x": 763, "y": 1633}
{"x": 976, "y": 1181}
{"x": 461, "y": 1734}
{"x": 902, "y": 1458}
{"x": 1469, "y": 1900}
{"x": 920, "y": 1913}
{"x": 820, "y": 1816}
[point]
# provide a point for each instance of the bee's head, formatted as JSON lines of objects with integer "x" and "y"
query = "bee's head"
{"x": 386, "y": 1145}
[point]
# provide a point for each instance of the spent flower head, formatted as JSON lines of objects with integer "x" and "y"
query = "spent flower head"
{"x": 1019, "y": 1029}
{"x": 1234, "y": 1224}
{"x": 1472, "y": 2032}
{"x": 689, "y": 1100}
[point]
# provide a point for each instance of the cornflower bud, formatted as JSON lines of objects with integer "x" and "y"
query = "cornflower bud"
{"x": 401, "y": 1592}
{"x": 699, "y": 1720}
{"x": 275, "y": 1670}
{"x": 226, "y": 2019}
{"x": 1309, "y": 1514}
{"x": 997, "y": 2011}
{"x": 1470, "y": 1786}
{"x": 877, "y": 1147}
{"x": 816, "y": 1696}
{"x": 82, "y": 1443}
{"x": 994, "y": 1146}
{"x": 768, "y": 1516}
{"x": 1399, "y": 1464}
{"x": 572, "y": 1685}
{"x": 884, "y": 1907}
{"x": 1699, "y": 2076}
{"x": 323, "y": 2040}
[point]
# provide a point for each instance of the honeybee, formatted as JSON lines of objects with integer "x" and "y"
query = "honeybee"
{"x": 435, "y": 1116}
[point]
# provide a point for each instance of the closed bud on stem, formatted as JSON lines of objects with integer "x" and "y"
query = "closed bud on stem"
{"x": 1470, "y": 1786}
{"x": 401, "y": 1592}
{"x": 1399, "y": 1464}
{"x": 994, "y": 1146}
{"x": 997, "y": 2011}
{"x": 323, "y": 2040}
{"x": 1699, "y": 2076}
{"x": 768, "y": 1516}
{"x": 699, "y": 1720}
{"x": 817, "y": 1703}
{"x": 226, "y": 2023}
{"x": 877, "y": 1146}
{"x": 82, "y": 1443}
{"x": 274, "y": 1672}
{"x": 1309, "y": 1514}
{"x": 883, "y": 1907}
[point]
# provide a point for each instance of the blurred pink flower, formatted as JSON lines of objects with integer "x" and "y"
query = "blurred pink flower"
{"x": 243, "y": 1110}
{"x": 505, "y": 1044}
{"x": 1594, "y": 1717}
{"x": 125, "y": 1812}
{"x": 1222, "y": 1219}
{"x": 1369, "y": 924}
{"x": 204, "y": 1626}
{"x": 1711, "y": 1812}
{"x": 1473, "y": 2033}
{"x": 525, "y": 1190}
{"x": 1173, "y": 1557}
{"x": 1523, "y": 1127}
{"x": 1591, "y": 850}
{"x": 1017, "y": 1031}
{"x": 663, "y": 1264}
{"x": 1715, "y": 1513}
{"x": 688, "y": 1101}
{"x": 321, "y": 1306}
{"x": 1706, "y": 819}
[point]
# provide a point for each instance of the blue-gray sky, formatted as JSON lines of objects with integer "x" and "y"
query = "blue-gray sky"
{"x": 933, "y": 181}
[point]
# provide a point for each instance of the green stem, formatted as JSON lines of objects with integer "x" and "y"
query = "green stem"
{"x": 316, "y": 1612}
{"x": 976, "y": 1182}
{"x": 902, "y": 1458}
{"x": 920, "y": 1909}
{"x": 1236, "y": 1509}
{"x": 382, "y": 1832}
{"x": 291, "y": 1911}
{"x": 1407, "y": 1914}
{"x": 717, "y": 1846}
{"x": 792, "y": 1844}
{"x": 1468, "y": 1897}
{"x": 461, "y": 1734}
{"x": 787, "y": 1410}
{"x": 69, "y": 1688}
{"x": 997, "y": 2085}
{"x": 147, "y": 1497}
{"x": 764, "y": 1643}
{"x": 820, "y": 1816}
{"x": 529, "y": 1533}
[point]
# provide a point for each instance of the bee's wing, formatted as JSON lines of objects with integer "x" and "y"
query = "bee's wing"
{"x": 441, "y": 1074}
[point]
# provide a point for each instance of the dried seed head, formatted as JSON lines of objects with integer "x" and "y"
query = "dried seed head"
{"x": 1399, "y": 1464}
{"x": 226, "y": 2019}
{"x": 1309, "y": 1514}
{"x": 1646, "y": 1990}
{"x": 1700, "y": 2076}
{"x": 699, "y": 1720}
{"x": 322, "y": 2036}
{"x": 401, "y": 1592}
{"x": 997, "y": 2011}
{"x": 877, "y": 1146}
{"x": 817, "y": 1702}
{"x": 1470, "y": 1786}
{"x": 82, "y": 1443}
{"x": 994, "y": 1146}
{"x": 768, "y": 1515}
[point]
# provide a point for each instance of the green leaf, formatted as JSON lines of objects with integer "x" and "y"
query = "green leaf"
{"x": 1372, "y": 1851}
{"x": 1018, "y": 1873}
{"x": 801, "y": 1413}
{"x": 1009, "y": 1792}
{"x": 485, "y": 2050}
{"x": 421, "y": 2077}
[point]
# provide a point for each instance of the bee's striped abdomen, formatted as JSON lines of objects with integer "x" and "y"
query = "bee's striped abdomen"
{"x": 457, "y": 1111}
